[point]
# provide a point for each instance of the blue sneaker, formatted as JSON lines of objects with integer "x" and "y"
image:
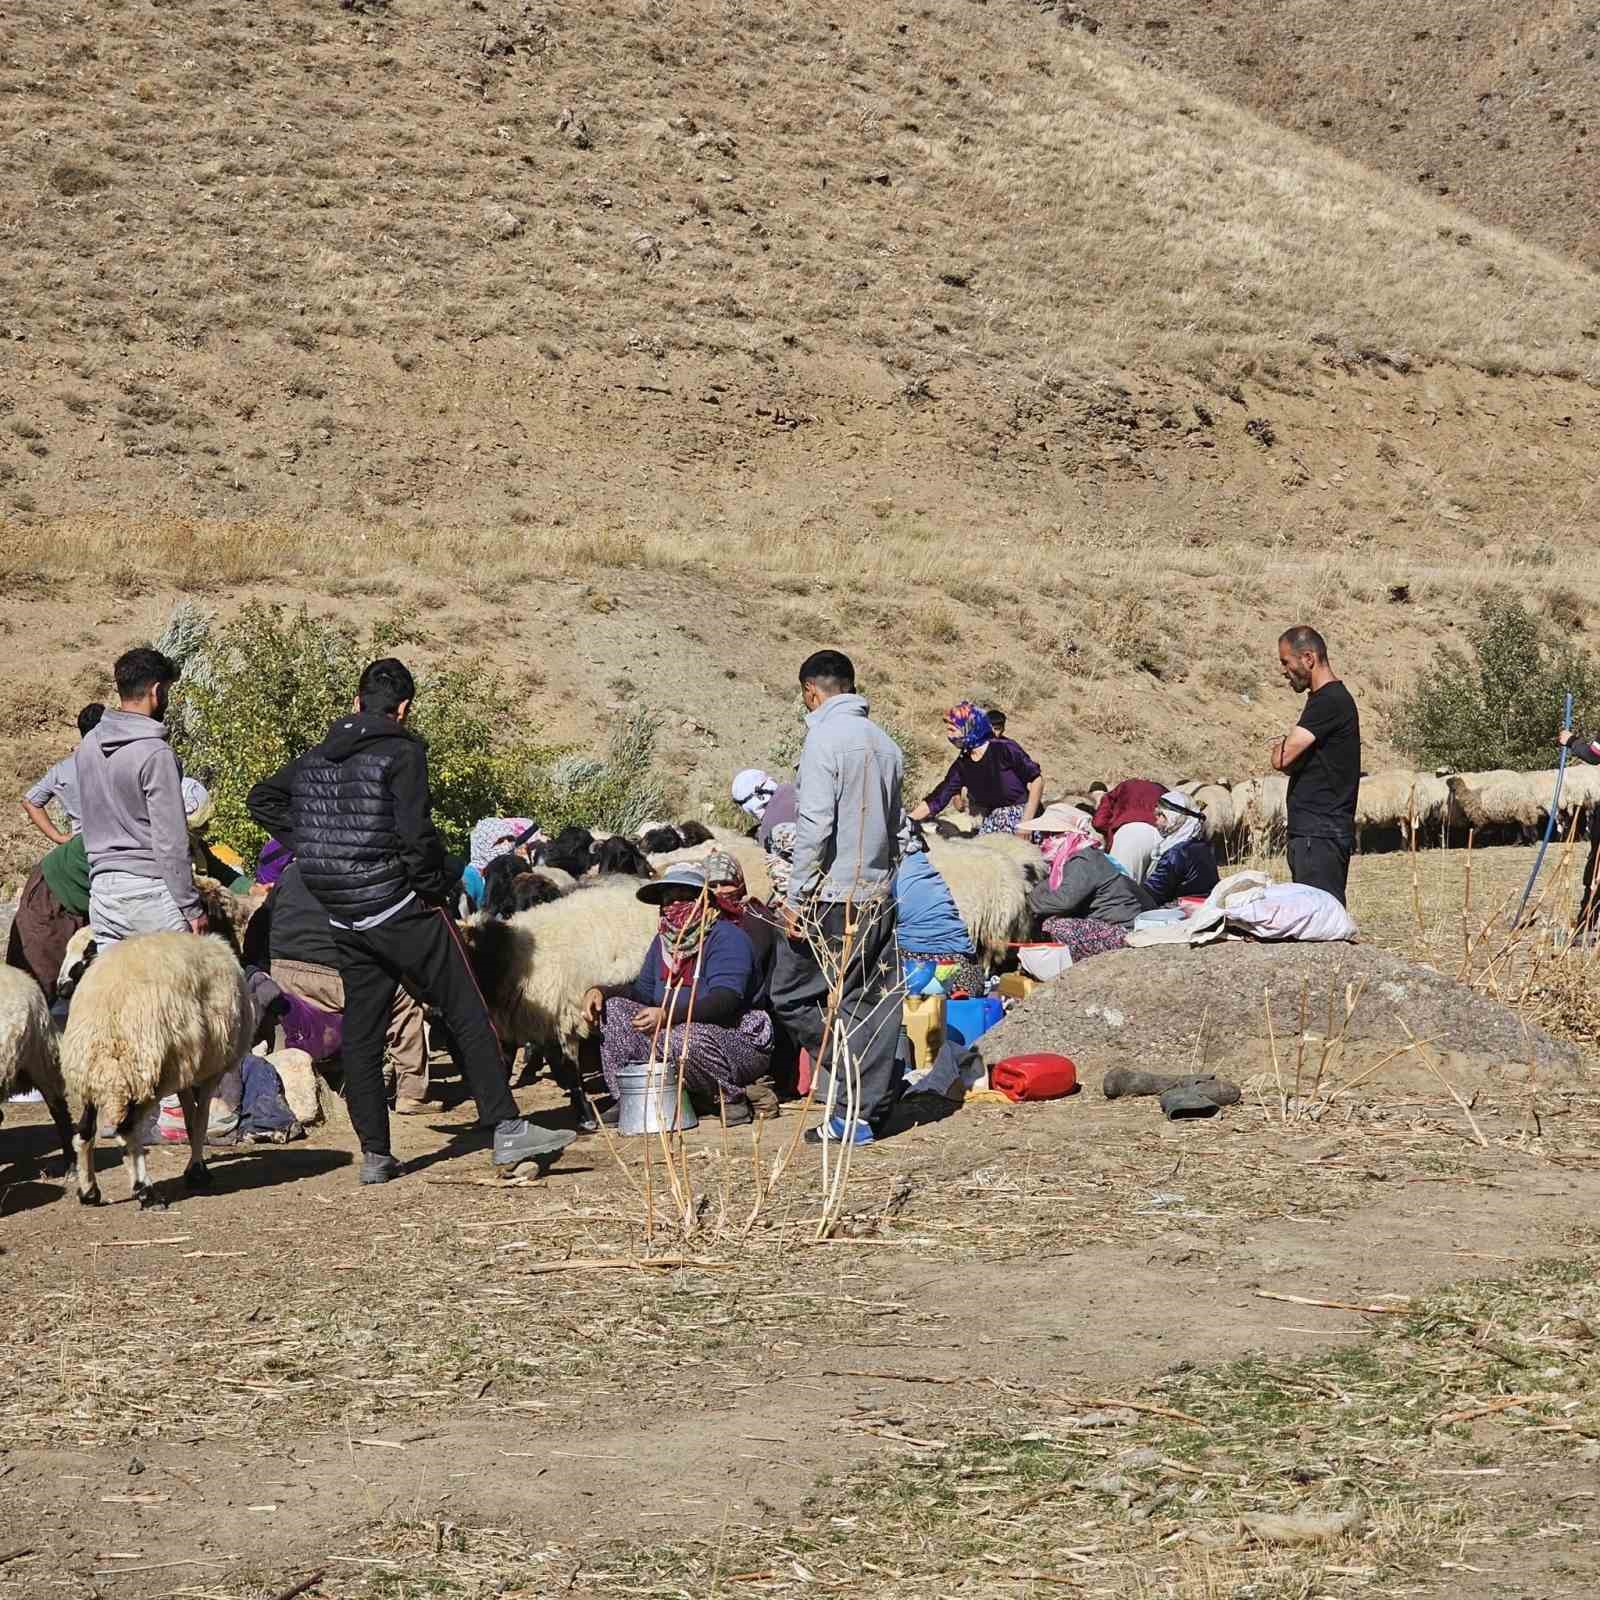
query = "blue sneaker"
{"x": 833, "y": 1132}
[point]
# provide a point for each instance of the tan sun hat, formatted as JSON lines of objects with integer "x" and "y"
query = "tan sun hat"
{"x": 1059, "y": 818}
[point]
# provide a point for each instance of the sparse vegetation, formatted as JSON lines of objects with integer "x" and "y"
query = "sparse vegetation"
{"x": 1500, "y": 707}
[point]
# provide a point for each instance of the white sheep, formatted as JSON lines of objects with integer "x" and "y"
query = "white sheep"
{"x": 535, "y": 968}
{"x": 1261, "y": 807}
{"x": 1500, "y": 796}
{"x": 164, "y": 1013}
{"x": 29, "y": 1050}
{"x": 1215, "y": 800}
{"x": 990, "y": 889}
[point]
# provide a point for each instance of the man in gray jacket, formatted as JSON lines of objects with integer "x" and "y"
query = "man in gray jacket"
{"x": 841, "y": 892}
{"x": 134, "y": 829}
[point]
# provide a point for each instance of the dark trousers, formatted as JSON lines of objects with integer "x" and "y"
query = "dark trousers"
{"x": 40, "y": 932}
{"x": 420, "y": 947}
{"x": 1320, "y": 863}
{"x": 869, "y": 997}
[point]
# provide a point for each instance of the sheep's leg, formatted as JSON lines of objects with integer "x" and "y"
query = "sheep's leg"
{"x": 196, "y": 1105}
{"x": 83, "y": 1148}
{"x": 149, "y": 1198}
{"x": 63, "y": 1122}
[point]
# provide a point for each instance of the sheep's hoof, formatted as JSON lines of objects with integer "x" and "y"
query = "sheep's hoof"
{"x": 90, "y": 1197}
{"x": 149, "y": 1197}
{"x": 197, "y": 1175}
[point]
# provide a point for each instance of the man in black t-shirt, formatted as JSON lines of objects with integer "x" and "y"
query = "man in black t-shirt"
{"x": 1322, "y": 756}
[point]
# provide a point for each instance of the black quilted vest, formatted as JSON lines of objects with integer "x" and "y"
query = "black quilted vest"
{"x": 344, "y": 823}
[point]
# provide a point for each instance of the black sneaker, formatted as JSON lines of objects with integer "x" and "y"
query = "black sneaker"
{"x": 378, "y": 1169}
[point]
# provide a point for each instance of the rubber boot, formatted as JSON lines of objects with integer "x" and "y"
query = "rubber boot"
{"x": 1122, "y": 1082}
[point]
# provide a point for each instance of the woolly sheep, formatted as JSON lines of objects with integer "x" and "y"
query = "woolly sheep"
{"x": 535, "y": 968}
{"x": 1013, "y": 846}
{"x": 1484, "y": 799}
{"x": 29, "y": 1050}
{"x": 1215, "y": 800}
{"x": 990, "y": 889}
{"x": 165, "y": 1013}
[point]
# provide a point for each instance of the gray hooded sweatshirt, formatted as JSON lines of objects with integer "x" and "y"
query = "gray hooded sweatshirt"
{"x": 131, "y": 790}
{"x": 848, "y": 807}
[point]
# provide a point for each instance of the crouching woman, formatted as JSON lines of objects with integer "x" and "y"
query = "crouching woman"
{"x": 695, "y": 1000}
{"x": 1086, "y": 901}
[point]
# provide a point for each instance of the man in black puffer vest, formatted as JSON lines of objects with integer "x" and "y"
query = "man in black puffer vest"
{"x": 357, "y": 814}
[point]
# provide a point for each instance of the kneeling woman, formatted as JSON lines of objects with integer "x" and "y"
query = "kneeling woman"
{"x": 698, "y": 987}
{"x": 1086, "y": 902}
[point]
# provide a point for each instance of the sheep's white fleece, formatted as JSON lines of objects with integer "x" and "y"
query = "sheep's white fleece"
{"x": 750, "y": 856}
{"x": 990, "y": 889}
{"x": 29, "y": 1048}
{"x": 153, "y": 1015}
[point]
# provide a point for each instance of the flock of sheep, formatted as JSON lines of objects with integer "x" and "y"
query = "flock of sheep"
{"x": 169, "y": 1014}
{"x": 1496, "y": 805}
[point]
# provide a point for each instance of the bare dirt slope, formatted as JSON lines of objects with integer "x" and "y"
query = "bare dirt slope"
{"x": 1491, "y": 105}
{"x": 569, "y": 333}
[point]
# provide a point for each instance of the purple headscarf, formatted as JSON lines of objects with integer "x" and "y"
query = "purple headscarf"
{"x": 275, "y": 858}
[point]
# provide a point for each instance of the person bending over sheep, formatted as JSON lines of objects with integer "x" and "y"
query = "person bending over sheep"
{"x": 930, "y": 927}
{"x": 53, "y": 907}
{"x": 1125, "y": 817}
{"x": 1184, "y": 862}
{"x": 1087, "y": 902}
{"x": 1001, "y": 779}
{"x": 355, "y": 811}
{"x": 695, "y": 1000}
{"x": 767, "y": 802}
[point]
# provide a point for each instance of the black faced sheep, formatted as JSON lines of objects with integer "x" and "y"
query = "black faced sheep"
{"x": 572, "y": 850}
{"x": 660, "y": 841}
{"x": 694, "y": 833}
{"x": 165, "y": 1013}
{"x": 622, "y": 856}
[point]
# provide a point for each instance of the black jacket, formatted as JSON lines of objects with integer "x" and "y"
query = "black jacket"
{"x": 1091, "y": 887}
{"x": 355, "y": 810}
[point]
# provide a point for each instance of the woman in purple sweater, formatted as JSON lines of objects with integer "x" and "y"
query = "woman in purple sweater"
{"x": 1002, "y": 780}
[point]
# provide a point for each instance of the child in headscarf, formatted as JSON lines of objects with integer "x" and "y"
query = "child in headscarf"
{"x": 1184, "y": 862}
{"x": 1086, "y": 902}
{"x": 1002, "y": 780}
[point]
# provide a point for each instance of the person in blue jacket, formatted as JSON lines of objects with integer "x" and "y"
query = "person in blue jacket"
{"x": 1184, "y": 862}
{"x": 700, "y": 987}
{"x": 930, "y": 926}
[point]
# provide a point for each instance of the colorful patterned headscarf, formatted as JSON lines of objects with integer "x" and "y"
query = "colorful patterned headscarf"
{"x": 725, "y": 878}
{"x": 969, "y": 726}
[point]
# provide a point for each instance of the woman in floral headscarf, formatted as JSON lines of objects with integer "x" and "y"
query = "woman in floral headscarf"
{"x": 694, "y": 1001}
{"x": 1003, "y": 782}
{"x": 1086, "y": 901}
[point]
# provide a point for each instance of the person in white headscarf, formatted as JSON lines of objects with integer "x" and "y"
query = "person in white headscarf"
{"x": 1183, "y": 863}
{"x": 767, "y": 802}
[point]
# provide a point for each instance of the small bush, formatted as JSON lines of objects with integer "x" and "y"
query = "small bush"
{"x": 1500, "y": 707}
{"x": 264, "y": 687}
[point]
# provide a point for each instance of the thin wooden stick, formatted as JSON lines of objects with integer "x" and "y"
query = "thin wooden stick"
{"x": 301, "y": 1587}
{"x": 1125, "y": 1405}
{"x": 1422, "y": 1055}
{"x": 1266, "y": 1000}
{"x": 1300, "y": 1043}
{"x": 1416, "y": 882}
{"x": 627, "y": 1264}
{"x": 1334, "y": 1305}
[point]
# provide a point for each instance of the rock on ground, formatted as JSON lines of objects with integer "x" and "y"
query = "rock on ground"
{"x": 1146, "y": 1008}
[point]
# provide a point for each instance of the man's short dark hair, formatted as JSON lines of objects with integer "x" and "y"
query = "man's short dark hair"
{"x": 1301, "y": 639}
{"x": 89, "y": 718}
{"x": 830, "y": 670}
{"x": 997, "y": 720}
{"x": 385, "y": 686}
{"x": 139, "y": 671}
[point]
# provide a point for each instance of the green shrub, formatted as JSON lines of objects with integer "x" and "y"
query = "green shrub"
{"x": 1500, "y": 707}
{"x": 263, "y": 688}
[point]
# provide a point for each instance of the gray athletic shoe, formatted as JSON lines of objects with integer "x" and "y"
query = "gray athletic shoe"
{"x": 379, "y": 1169}
{"x": 522, "y": 1140}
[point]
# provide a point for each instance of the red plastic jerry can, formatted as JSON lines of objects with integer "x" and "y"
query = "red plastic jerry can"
{"x": 1040, "y": 1076}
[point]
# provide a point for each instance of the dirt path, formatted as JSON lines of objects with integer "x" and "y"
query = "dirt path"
{"x": 1079, "y": 1248}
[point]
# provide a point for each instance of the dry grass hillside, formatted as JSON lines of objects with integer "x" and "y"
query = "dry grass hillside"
{"x": 1492, "y": 104}
{"x": 644, "y": 347}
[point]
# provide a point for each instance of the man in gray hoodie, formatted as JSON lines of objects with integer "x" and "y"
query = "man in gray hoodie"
{"x": 841, "y": 891}
{"x": 134, "y": 829}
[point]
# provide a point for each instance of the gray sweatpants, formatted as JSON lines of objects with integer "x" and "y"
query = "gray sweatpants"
{"x": 122, "y": 904}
